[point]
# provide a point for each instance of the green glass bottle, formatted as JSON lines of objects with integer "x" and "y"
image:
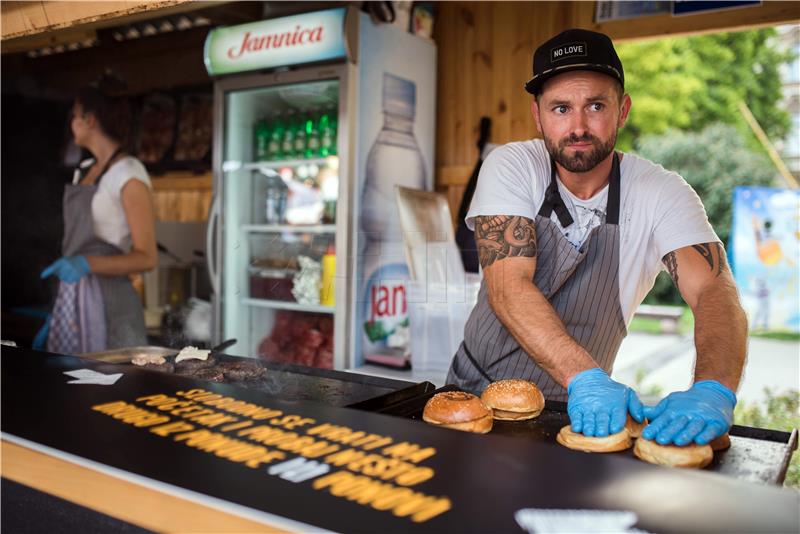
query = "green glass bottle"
{"x": 262, "y": 134}
{"x": 326, "y": 137}
{"x": 300, "y": 137}
{"x": 275, "y": 138}
{"x": 312, "y": 136}
{"x": 287, "y": 144}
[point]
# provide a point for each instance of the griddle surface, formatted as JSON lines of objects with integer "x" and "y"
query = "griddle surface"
{"x": 755, "y": 455}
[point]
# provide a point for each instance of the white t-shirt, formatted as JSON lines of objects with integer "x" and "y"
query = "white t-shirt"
{"x": 659, "y": 211}
{"x": 108, "y": 214}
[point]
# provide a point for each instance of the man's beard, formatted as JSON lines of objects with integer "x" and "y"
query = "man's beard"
{"x": 582, "y": 161}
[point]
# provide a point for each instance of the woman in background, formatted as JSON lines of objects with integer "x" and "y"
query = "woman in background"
{"x": 109, "y": 231}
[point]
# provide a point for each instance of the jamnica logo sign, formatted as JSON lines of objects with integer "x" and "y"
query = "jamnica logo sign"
{"x": 255, "y": 43}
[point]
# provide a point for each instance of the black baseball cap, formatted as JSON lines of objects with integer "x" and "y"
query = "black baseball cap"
{"x": 574, "y": 49}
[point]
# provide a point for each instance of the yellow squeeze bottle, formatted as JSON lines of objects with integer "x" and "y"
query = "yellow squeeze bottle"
{"x": 327, "y": 294}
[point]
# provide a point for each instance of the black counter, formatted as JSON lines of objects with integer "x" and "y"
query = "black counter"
{"x": 453, "y": 481}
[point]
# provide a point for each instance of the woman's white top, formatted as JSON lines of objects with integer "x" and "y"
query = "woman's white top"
{"x": 108, "y": 214}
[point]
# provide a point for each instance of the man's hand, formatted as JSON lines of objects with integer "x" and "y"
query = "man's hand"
{"x": 599, "y": 406}
{"x": 700, "y": 414}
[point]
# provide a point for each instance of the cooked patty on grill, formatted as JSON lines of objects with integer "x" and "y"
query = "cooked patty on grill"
{"x": 209, "y": 373}
{"x": 242, "y": 370}
{"x": 194, "y": 364}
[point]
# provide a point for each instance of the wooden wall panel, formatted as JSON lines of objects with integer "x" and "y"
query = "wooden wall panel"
{"x": 182, "y": 197}
{"x": 485, "y": 51}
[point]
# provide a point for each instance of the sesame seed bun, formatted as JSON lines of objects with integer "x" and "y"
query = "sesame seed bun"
{"x": 721, "y": 443}
{"x": 513, "y": 400}
{"x": 689, "y": 456}
{"x": 458, "y": 410}
{"x": 613, "y": 443}
{"x": 634, "y": 428}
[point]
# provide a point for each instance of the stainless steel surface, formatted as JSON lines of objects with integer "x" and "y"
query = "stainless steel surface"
{"x": 211, "y": 240}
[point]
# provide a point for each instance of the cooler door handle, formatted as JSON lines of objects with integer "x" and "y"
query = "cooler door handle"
{"x": 211, "y": 230}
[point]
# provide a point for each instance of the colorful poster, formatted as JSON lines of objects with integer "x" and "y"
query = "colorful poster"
{"x": 764, "y": 256}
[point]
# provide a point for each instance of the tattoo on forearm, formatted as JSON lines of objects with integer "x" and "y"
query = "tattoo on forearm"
{"x": 671, "y": 262}
{"x": 501, "y": 236}
{"x": 715, "y": 261}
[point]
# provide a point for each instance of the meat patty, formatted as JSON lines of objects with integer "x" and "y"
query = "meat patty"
{"x": 238, "y": 371}
{"x": 194, "y": 364}
{"x": 162, "y": 367}
{"x": 210, "y": 374}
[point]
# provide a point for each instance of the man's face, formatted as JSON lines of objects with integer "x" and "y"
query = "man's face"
{"x": 578, "y": 113}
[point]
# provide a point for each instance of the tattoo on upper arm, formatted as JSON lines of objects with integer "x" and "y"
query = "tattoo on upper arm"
{"x": 671, "y": 262}
{"x": 713, "y": 253}
{"x": 707, "y": 250}
{"x": 501, "y": 236}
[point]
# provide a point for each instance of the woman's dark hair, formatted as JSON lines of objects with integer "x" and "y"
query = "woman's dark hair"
{"x": 106, "y": 100}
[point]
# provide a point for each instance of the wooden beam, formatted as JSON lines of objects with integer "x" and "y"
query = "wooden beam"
{"x": 25, "y": 19}
{"x": 665, "y": 25}
{"x": 453, "y": 175}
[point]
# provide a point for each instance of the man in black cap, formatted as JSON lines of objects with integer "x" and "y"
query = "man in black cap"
{"x": 571, "y": 235}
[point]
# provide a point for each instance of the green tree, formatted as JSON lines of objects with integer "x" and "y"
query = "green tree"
{"x": 713, "y": 161}
{"x": 689, "y": 83}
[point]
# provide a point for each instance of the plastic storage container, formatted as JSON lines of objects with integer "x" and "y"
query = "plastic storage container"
{"x": 271, "y": 284}
{"x": 437, "y": 315}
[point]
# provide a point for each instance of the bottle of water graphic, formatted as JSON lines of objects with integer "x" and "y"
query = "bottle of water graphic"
{"x": 394, "y": 160}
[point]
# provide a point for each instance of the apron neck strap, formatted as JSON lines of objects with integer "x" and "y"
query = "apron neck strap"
{"x": 83, "y": 171}
{"x": 554, "y": 203}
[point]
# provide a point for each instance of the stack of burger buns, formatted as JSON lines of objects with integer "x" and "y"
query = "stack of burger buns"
{"x": 513, "y": 400}
{"x": 505, "y": 400}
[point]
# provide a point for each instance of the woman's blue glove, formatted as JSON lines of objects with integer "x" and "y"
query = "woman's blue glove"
{"x": 68, "y": 269}
{"x": 599, "y": 406}
{"x": 40, "y": 339}
{"x": 699, "y": 414}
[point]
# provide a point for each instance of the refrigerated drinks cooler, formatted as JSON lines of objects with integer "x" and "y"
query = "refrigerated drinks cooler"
{"x": 317, "y": 118}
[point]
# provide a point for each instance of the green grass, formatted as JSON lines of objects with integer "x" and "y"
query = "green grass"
{"x": 653, "y": 326}
{"x": 646, "y": 326}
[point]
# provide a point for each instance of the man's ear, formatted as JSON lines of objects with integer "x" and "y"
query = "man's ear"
{"x": 535, "y": 114}
{"x": 624, "y": 110}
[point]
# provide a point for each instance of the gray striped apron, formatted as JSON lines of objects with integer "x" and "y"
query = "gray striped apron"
{"x": 124, "y": 315}
{"x": 582, "y": 285}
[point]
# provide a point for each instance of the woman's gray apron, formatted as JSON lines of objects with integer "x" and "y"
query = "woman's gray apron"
{"x": 582, "y": 285}
{"x": 99, "y": 312}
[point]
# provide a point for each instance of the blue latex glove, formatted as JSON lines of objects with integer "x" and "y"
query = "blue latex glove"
{"x": 68, "y": 269}
{"x": 699, "y": 414}
{"x": 599, "y": 406}
{"x": 40, "y": 339}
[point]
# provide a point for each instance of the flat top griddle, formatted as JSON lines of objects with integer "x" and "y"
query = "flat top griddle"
{"x": 295, "y": 382}
{"x": 756, "y": 454}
